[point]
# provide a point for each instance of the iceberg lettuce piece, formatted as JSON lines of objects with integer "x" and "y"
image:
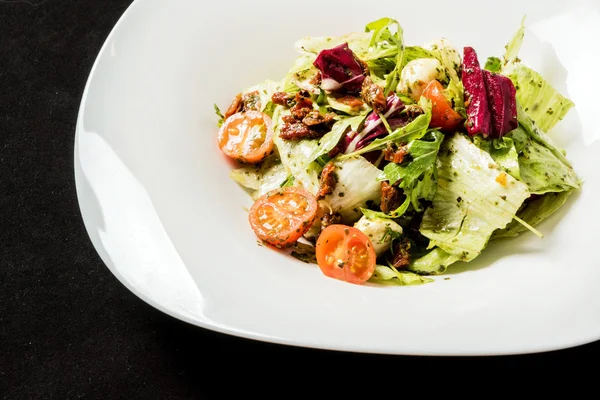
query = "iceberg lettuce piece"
{"x": 539, "y": 100}
{"x": 504, "y": 153}
{"x": 534, "y": 212}
{"x": 262, "y": 178}
{"x": 391, "y": 276}
{"x": 433, "y": 263}
{"x": 295, "y": 156}
{"x": 474, "y": 198}
{"x": 543, "y": 166}
{"x": 357, "y": 184}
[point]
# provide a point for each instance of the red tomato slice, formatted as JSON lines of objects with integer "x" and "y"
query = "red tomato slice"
{"x": 345, "y": 253}
{"x": 247, "y": 136}
{"x": 282, "y": 216}
{"x": 442, "y": 114}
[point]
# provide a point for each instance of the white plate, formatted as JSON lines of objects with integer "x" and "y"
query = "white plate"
{"x": 169, "y": 223}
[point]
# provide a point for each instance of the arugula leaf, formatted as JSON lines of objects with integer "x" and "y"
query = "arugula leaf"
{"x": 219, "y": 114}
{"x": 493, "y": 64}
{"x": 423, "y": 154}
{"x": 381, "y": 30}
{"x": 414, "y": 130}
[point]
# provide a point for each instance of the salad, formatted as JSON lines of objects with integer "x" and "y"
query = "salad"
{"x": 386, "y": 162}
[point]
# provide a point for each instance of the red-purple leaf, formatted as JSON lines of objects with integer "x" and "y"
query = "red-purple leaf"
{"x": 373, "y": 126}
{"x": 478, "y": 113}
{"x": 340, "y": 69}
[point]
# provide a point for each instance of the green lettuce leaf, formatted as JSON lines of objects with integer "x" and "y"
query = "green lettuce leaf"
{"x": 539, "y": 100}
{"x": 265, "y": 92}
{"x": 455, "y": 93}
{"x": 533, "y": 212}
{"x": 300, "y": 75}
{"x": 357, "y": 186}
{"x": 262, "y": 178}
{"x": 433, "y": 263}
{"x": 543, "y": 166}
{"x": 514, "y": 46}
{"x": 504, "y": 153}
{"x": 474, "y": 198}
{"x": 294, "y": 155}
{"x": 390, "y": 275}
{"x": 357, "y": 41}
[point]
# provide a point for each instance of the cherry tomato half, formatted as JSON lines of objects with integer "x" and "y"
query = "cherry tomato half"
{"x": 247, "y": 136}
{"x": 442, "y": 114}
{"x": 282, "y": 216}
{"x": 346, "y": 253}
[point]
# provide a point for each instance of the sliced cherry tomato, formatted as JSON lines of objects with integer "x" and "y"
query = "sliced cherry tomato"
{"x": 247, "y": 136}
{"x": 345, "y": 253}
{"x": 282, "y": 216}
{"x": 442, "y": 114}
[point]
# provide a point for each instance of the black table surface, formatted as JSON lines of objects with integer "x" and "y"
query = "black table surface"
{"x": 68, "y": 328}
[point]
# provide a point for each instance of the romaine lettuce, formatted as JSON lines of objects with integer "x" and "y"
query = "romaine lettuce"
{"x": 474, "y": 198}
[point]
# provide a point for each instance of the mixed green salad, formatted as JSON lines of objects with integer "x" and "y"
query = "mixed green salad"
{"x": 386, "y": 162}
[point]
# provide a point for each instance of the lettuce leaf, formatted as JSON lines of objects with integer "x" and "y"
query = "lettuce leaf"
{"x": 474, "y": 198}
{"x": 357, "y": 186}
{"x": 433, "y": 263}
{"x": 295, "y": 156}
{"x": 504, "y": 153}
{"x": 539, "y": 100}
{"x": 390, "y": 275}
{"x": 543, "y": 166}
{"x": 534, "y": 212}
{"x": 514, "y": 46}
{"x": 262, "y": 178}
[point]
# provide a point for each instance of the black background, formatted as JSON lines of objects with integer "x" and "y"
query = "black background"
{"x": 68, "y": 328}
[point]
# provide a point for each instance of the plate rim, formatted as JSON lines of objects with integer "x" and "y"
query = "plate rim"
{"x": 242, "y": 333}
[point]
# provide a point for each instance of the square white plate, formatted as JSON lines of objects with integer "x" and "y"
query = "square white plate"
{"x": 160, "y": 208}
